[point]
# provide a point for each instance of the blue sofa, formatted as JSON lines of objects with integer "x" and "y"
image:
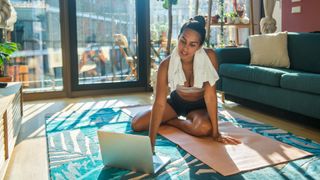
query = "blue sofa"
{"x": 296, "y": 89}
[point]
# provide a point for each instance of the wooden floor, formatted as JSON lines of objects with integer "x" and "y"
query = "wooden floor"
{"x": 30, "y": 161}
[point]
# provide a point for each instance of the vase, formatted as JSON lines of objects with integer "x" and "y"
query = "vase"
{"x": 237, "y": 20}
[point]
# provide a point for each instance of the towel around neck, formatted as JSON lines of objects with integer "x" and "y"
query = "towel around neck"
{"x": 203, "y": 70}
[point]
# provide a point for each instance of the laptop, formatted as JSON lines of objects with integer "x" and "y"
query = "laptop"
{"x": 129, "y": 151}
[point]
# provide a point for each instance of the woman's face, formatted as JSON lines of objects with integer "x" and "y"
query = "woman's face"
{"x": 189, "y": 43}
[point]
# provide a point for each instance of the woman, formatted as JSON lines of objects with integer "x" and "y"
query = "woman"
{"x": 190, "y": 72}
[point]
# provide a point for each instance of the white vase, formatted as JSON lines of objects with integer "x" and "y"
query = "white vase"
{"x": 237, "y": 20}
{"x": 245, "y": 20}
{"x": 229, "y": 20}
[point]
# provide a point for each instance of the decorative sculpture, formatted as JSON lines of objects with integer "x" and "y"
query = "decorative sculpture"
{"x": 268, "y": 23}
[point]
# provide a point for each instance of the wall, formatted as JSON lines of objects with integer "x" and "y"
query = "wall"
{"x": 306, "y": 21}
{"x": 278, "y": 16}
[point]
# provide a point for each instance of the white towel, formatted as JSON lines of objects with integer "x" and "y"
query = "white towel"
{"x": 203, "y": 70}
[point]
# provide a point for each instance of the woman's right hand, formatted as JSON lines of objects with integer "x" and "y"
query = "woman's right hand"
{"x": 159, "y": 105}
{"x": 227, "y": 139}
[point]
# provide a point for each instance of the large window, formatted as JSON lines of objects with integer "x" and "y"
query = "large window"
{"x": 100, "y": 45}
{"x": 106, "y": 41}
{"x": 38, "y": 63}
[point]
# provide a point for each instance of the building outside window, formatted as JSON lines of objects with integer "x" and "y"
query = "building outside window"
{"x": 38, "y": 63}
{"x": 106, "y": 40}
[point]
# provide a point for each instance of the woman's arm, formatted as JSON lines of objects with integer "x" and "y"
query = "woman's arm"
{"x": 210, "y": 96}
{"x": 160, "y": 101}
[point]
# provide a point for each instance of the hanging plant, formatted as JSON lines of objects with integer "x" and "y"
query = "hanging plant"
{"x": 167, "y": 4}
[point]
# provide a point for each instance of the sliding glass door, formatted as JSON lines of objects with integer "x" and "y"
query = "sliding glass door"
{"x": 105, "y": 43}
{"x": 38, "y": 61}
{"x": 77, "y": 45}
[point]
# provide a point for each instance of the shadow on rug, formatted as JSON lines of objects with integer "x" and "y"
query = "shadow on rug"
{"x": 73, "y": 149}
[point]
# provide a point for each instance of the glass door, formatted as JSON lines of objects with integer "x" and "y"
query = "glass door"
{"x": 38, "y": 61}
{"x": 106, "y": 45}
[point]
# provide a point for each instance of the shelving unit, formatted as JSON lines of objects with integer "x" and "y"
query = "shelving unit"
{"x": 237, "y": 27}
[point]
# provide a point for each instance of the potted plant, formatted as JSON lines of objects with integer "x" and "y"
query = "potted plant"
{"x": 236, "y": 18}
{"x": 167, "y": 4}
{"x": 6, "y": 50}
{"x": 229, "y": 18}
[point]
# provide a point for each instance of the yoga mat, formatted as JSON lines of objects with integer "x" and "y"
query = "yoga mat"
{"x": 254, "y": 152}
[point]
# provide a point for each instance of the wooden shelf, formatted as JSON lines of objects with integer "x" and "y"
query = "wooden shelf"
{"x": 233, "y": 25}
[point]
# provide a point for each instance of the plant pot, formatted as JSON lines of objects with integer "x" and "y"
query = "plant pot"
{"x": 245, "y": 20}
{"x": 6, "y": 79}
{"x": 229, "y": 20}
{"x": 236, "y": 20}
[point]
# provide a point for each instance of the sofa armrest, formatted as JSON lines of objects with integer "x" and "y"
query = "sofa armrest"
{"x": 233, "y": 55}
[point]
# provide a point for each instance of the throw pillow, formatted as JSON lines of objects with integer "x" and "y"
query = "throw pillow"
{"x": 269, "y": 50}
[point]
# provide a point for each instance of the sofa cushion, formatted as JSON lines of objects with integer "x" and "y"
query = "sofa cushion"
{"x": 258, "y": 74}
{"x": 238, "y": 55}
{"x": 305, "y": 82}
{"x": 269, "y": 50}
{"x": 304, "y": 51}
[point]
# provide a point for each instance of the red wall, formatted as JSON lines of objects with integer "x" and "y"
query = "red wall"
{"x": 306, "y": 21}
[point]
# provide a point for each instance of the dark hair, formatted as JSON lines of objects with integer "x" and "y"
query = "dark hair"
{"x": 197, "y": 24}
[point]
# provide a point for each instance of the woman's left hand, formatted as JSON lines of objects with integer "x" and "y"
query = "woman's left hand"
{"x": 227, "y": 139}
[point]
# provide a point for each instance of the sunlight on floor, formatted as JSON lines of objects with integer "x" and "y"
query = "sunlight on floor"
{"x": 31, "y": 110}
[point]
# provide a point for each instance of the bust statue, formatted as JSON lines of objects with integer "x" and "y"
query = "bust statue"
{"x": 268, "y": 25}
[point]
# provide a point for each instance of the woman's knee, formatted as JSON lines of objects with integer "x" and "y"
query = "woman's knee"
{"x": 135, "y": 124}
{"x": 140, "y": 122}
{"x": 201, "y": 127}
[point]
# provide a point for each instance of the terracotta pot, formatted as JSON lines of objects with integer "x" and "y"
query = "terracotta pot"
{"x": 6, "y": 79}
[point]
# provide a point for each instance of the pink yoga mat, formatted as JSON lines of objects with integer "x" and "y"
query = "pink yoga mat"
{"x": 255, "y": 152}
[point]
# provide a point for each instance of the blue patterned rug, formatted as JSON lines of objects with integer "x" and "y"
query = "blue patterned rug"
{"x": 73, "y": 150}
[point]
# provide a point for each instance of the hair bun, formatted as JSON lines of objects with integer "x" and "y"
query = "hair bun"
{"x": 200, "y": 19}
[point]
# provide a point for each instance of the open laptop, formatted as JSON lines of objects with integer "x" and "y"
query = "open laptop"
{"x": 129, "y": 151}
